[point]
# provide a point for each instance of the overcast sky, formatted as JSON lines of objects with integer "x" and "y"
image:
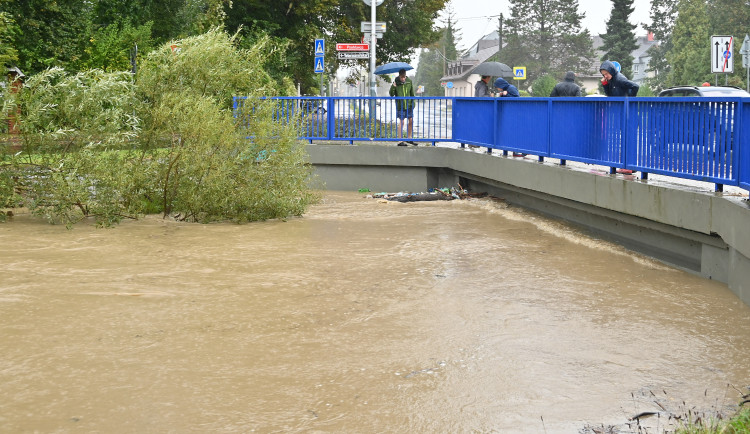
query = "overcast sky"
{"x": 473, "y": 20}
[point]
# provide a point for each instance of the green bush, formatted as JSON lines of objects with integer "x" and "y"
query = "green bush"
{"x": 542, "y": 86}
{"x": 98, "y": 144}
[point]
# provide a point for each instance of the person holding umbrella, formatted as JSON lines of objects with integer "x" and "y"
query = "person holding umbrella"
{"x": 481, "y": 89}
{"x": 403, "y": 87}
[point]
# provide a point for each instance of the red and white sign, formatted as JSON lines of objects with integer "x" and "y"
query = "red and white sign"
{"x": 352, "y": 47}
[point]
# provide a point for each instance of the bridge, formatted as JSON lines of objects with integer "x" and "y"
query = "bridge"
{"x": 700, "y": 139}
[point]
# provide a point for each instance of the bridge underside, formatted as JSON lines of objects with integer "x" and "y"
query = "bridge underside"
{"x": 698, "y": 231}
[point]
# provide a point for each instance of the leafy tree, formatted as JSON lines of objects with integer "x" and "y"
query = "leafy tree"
{"x": 690, "y": 55}
{"x": 432, "y": 59}
{"x": 98, "y": 144}
{"x": 731, "y": 17}
{"x": 65, "y": 170}
{"x": 619, "y": 42}
{"x": 663, "y": 14}
{"x": 50, "y": 32}
{"x": 8, "y": 54}
{"x": 546, "y": 37}
{"x": 209, "y": 171}
{"x": 298, "y": 24}
{"x": 542, "y": 86}
{"x": 112, "y": 46}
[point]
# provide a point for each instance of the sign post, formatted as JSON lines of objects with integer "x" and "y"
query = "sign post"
{"x": 320, "y": 51}
{"x": 745, "y": 51}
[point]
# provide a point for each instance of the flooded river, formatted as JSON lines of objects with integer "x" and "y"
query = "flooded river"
{"x": 360, "y": 317}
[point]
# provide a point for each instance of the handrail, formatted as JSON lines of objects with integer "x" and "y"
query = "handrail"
{"x": 704, "y": 139}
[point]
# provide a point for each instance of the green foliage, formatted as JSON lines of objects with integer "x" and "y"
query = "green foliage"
{"x": 546, "y": 37}
{"x": 542, "y": 86}
{"x": 210, "y": 171}
{"x": 619, "y": 41}
{"x": 691, "y": 53}
{"x": 663, "y": 15}
{"x": 50, "y": 32}
{"x": 298, "y": 24}
{"x": 8, "y": 54}
{"x": 111, "y": 46}
{"x": 96, "y": 144}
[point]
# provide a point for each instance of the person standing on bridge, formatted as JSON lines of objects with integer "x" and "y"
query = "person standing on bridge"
{"x": 403, "y": 87}
{"x": 616, "y": 84}
{"x": 481, "y": 89}
{"x": 568, "y": 87}
{"x": 505, "y": 89}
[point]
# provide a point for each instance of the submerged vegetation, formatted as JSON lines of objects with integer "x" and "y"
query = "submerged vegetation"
{"x": 109, "y": 146}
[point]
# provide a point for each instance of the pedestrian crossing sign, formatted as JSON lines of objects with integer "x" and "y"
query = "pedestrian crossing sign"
{"x": 318, "y": 65}
{"x": 320, "y": 47}
{"x": 519, "y": 73}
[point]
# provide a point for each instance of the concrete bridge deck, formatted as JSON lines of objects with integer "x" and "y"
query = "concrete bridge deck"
{"x": 702, "y": 232}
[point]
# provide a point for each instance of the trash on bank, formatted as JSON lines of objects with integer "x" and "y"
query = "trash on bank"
{"x": 434, "y": 194}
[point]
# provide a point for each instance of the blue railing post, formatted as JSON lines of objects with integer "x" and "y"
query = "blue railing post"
{"x": 330, "y": 106}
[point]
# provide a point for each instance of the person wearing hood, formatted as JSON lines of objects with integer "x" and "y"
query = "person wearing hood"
{"x": 567, "y": 87}
{"x": 506, "y": 89}
{"x": 614, "y": 83}
{"x": 481, "y": 89}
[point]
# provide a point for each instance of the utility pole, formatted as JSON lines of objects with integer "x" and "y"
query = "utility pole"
{"x": 499, "y": 35}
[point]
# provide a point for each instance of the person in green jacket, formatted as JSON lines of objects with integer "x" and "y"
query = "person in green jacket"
{"x": 402, "y": 87}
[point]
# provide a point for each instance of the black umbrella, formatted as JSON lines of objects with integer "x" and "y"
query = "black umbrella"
{"x": 495, "y": 69}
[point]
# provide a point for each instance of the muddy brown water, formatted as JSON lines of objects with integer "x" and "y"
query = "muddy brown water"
{"x": 360, "y": 317}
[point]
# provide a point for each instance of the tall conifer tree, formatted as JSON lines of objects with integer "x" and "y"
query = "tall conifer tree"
{"x": 546, "y": 36}
{"x": 619, "y": 42}
{"x": 663, "y": 15}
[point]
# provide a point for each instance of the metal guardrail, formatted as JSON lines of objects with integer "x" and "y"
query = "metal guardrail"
{"x": 705, "y": 139}
{"x": 362, "y": 118}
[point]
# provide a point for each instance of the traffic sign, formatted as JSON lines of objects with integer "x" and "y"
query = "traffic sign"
{"x": 745, "y": 51}
{"x": 353, "y": 54}
{"x": 365, "y": 26}
{"x": 318, "y": 65}
{"x": 722, "y": 60}
{"x": 519, "y": 73}
{"x": 377, "y": 2}
{"x": 367, "y": 37}
{"x": 352, "y": 47}
{"x": 320, "y": 47}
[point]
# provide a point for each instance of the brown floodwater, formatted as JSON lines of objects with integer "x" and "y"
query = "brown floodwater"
{"x": 360, "y": 317}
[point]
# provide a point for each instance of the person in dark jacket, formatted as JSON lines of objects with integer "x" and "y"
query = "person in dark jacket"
{"x": 506, "y": 89}
{"x": 567, "y": 87}
{"x": 614, "y": 83}
{"x": 481, "y": 89}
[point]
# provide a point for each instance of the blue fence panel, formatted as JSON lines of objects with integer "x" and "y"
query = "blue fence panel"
{"x": 474, "y": 121}
{"x": 743, "y": 143}
{"x": 687, "y": 137}
{"x": 522, "y": 125}
{"x": 588, "y": 130}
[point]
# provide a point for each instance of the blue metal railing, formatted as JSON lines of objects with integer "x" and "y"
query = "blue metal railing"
{"x": 705, "y": 139}
{"x": 361, "y": 118}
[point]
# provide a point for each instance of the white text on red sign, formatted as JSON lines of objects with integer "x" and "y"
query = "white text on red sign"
{"x": 352, "y": 47}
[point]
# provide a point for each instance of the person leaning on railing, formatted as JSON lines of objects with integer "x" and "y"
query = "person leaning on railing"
{"x": 403, "y": 87}
{"x": 615, "y": 83}
{"x": 505, "y": 89}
